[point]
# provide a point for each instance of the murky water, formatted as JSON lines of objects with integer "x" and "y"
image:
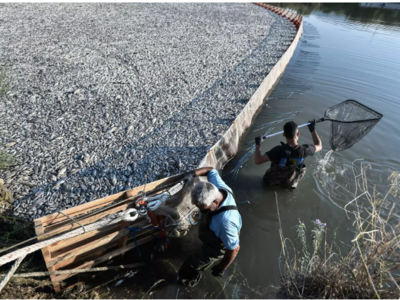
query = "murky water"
{"x": 345, "y": 53}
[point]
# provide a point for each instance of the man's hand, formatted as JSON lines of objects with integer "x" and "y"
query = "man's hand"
{"x": 311, "y": 126}
{"x": 217, "y": 272}
{"x": 187, "y": 176}
{"x": 258, "y": 140}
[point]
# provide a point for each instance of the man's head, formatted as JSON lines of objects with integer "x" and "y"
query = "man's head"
{"x": 291, "y": 131}
{"x": 205, "y": 196}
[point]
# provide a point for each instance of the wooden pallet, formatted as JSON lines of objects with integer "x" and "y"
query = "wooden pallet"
{"x": 95, "y": 247}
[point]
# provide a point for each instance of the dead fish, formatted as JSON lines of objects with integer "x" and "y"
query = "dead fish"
{"x": 86, "y": 158}
{"x": 83, "y": 187}
{"x": 62, "y": 172}
{"x": 57, "y": 139}
{"x": 113, "y": 179}
{"x": 80, "y": 163}
{"x": 58, "y": 183}
{"x": 111, "y": 130}
{"x": 11, "y": 144}
{"x": 73, "y": 171}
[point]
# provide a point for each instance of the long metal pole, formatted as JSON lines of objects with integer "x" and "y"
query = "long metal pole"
{"x": 280, "y": 132}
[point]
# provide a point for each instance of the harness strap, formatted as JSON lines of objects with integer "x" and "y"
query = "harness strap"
{"x": 289, "y": 152}
{"x": 222, "y": 209}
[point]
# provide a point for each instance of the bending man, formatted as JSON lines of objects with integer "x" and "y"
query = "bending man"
{"x": 219, "y": 228}
{"x": 287, "y": 161}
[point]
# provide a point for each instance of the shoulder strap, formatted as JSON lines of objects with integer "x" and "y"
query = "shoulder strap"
{"x": 222, "y": 209}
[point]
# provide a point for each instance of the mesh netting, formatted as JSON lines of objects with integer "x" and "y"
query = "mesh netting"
{"x": 178, "y": 207}
{"x": 351, "y": 121}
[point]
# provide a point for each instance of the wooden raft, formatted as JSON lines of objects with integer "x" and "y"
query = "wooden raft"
{"x": 92, "y": 248}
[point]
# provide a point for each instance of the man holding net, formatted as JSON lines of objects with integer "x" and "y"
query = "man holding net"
{"x": 219, "y": 228}
{"x": 287, "y": 160}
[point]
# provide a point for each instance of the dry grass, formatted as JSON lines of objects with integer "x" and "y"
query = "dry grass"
{"x": 370, "y": 267}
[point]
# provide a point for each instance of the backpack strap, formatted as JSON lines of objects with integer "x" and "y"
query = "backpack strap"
{"x": 222, "y": 209}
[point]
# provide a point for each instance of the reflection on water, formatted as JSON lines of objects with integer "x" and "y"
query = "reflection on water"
{"x": 353, "y": 12}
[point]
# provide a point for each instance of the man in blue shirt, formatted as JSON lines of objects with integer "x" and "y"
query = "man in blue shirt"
{"x": 219, "y": 228}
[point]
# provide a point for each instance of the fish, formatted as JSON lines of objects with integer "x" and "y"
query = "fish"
{"x": 59, "y": 182}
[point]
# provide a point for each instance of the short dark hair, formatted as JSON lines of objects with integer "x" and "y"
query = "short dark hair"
{"x": 290, "y": 129}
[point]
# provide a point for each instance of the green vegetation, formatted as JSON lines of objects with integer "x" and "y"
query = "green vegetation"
{"x": 7, "y": 160}
{"x": 370, "y": 267}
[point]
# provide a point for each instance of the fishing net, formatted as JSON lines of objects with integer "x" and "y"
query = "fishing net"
{"x": 178, "y": 209}
{"x": 351, "y": 121}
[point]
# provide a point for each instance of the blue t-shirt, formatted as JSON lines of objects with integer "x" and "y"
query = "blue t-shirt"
{"x": 227, "y": 224}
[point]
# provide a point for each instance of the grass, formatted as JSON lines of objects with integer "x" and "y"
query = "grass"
{"x": 370, "y": 267}
{"x": 7, "y": 160}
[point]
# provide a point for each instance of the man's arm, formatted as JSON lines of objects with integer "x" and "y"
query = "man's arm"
{"x": 315, "y": 137}
{"x": 260, "y": 158}
{"x": 187, "y": 176}
{"x": 203, "y": 171}
{"x": 228, "y": 258}
{"x": 317, "y": 141}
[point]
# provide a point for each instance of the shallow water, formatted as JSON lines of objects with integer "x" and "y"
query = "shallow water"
{"x": 342, "y": 55}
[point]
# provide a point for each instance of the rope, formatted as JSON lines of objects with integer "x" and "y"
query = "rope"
{"x": 11, "y": 272}
{"x": 155, "y": 202}
{"x": 75, "y": 271}
{"x": 90, "y": 214}
{"x": 191, "y": 220}
{"x": 136, "y": 229}
{"x": 29, "y": 249}
{"x": 74, "y": 221}
{"x": 161, "y": 241}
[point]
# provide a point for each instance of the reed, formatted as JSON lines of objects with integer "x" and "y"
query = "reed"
{"x": 369, "y": 269}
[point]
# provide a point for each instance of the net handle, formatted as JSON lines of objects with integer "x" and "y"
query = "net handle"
{"x": 306, "y": 124}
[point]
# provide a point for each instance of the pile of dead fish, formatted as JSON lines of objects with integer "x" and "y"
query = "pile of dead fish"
{"x": 103, "y": 94}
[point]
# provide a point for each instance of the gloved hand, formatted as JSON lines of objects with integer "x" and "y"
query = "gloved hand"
{"x": 258, "y": 140}
{"x": 311, "y": 127}
{"x": 217, "y": 272}
{"x": 187, "y": 176}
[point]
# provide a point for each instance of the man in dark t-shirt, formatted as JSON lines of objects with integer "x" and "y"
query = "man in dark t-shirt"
{"x": 287, "y": 160}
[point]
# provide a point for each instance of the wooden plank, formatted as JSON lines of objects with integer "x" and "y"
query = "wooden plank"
{"x": 88, "y": 255}
{"x": 39, "y": 229}
{"x": 56, "y": 217}
{"x": 84, "y": 257}
{"x": 93, "y": 234}
{"x": 123, "y": 240}
{"x": 86, "y": 236}
{"x": 56, "y": 259}
{"x": 86, "y": 221}
{"x": 106, "y": 257}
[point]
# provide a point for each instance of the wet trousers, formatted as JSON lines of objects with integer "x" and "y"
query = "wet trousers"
{"x": 190, "y": 271}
